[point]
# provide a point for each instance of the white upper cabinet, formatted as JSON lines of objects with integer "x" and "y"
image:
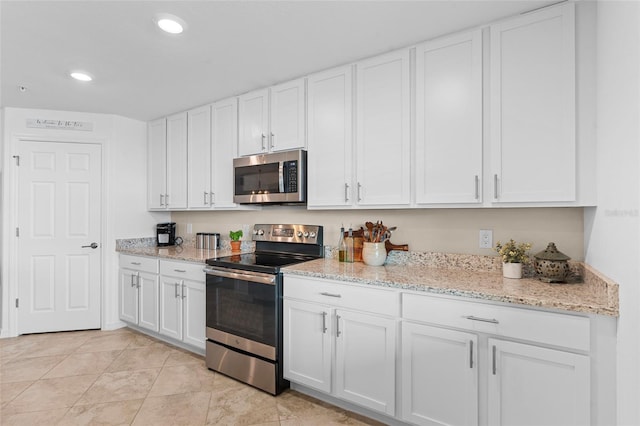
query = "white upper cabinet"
{"x": 449, "y": 120}
{"x": 330, "y": 138}
{"x": 176, "y": 196}
{"x": 287, "y": 116}
{"x": 533, "y": 102}
{"x": 383, "y": 127}
{"x": 224, "y": 140}
{"x": 156, "y": 164}
{"x": 199, "y": 154}
{"x": 254, "y": 122}
{"x": 272, "y": 119}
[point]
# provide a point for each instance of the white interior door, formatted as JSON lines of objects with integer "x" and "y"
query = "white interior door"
{"x": 59, "y": 217}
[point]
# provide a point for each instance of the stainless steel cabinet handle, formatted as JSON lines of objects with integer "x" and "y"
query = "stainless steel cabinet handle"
{"x": 477, "y": 187}
{"x": 183, "y": 292}
{"x": 180, "y": 270}
{"x": 135, "y": 263}
{"x": 133, "y": 284}
{"x": 212, "y": 198}
{"x": 175, "y": 290}
{"x": 338, "y": 332}
{"x": 92, "y": 245}
{"x": 273, "y": 140}
{"x": 470, "y": 353}
{"x": 263, "y": 137}
{"x": 161, "y": 199}
{"x": 324, "y": 322}
{"x": 346, "y": 192}
{"x": 359, "y": 188}
{"x": 491, "y": 320}
{"x": 330, "y": 294}
{"x": 166, "y": 199}
{"x": 137, "y": 279}
{"x": 494, "y": 367}
{"x": 495, "y": 186}
{"x": 205, "y": 198}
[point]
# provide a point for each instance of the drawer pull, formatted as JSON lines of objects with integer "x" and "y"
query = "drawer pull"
{"x": 330, "y": 294}
{"x": 180, "y": 270}
{"x": 324, "y": 322}
{"x": 490, "y": 320}
{"x": 136, "y": 263}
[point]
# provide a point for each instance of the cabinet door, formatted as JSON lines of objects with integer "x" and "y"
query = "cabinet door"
{"x": 176, "y": 197}
{"x": 449, "y": 119}
{"x": 439, "y": 376}
{"x": 171, "y": 307}
{"x": 533, "y": 152}
{"x": 156, "y": 164}
{"x": 224, "y": 140}
{"x": 199, "y": 157}
{"x": 537, "y": 386}
{"x": 194, "y": 315}
{"x": 307, "y": 344}
{"x": 330, "y": 159}
{"x": 148, "y": 288}
{"x": 366, "y": 360}
{"x": 253, "y": 120}
{"x": 287, "y": 116}
{"x": 383, "y": 143}
{"x": 128, "y": 296}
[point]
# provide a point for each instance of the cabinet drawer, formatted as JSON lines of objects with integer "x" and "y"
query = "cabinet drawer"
{"x": 570, "y": 331}
{"x": 139, "y": 263}
{"x": 189, "y": 271}
{"x": 375, "y": 300}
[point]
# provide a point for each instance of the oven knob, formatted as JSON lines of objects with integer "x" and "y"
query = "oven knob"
{"x": 306, "y": 234}
{"x": 299, "y": 234}
{"x": 312, "y": 235}
{"x": 260, "y": 231}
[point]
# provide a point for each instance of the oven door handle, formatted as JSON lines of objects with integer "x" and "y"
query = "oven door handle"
{"x": 255, "y": 277}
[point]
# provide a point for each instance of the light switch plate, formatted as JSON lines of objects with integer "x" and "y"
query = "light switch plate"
{"x": 486, "y": 238}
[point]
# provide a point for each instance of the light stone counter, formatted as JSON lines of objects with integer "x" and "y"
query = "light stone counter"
{"x": 596, "y": 294}
{"x": 185, "y": 252}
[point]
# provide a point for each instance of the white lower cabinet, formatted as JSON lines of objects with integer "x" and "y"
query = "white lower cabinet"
{"x": 182, "y": 302}
{"x": 139, "y": 291}
{"x": 537, "y": 386}
{"x": 439, "y": 375}
{"x": 332, "y": 344}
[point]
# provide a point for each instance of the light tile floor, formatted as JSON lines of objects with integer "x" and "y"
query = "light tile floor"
{"x": 122, "y": 377}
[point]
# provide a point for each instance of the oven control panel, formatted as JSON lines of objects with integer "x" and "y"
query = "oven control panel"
{"x": 289, "y": 233}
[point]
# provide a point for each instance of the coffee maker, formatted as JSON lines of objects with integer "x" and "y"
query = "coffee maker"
{"x": 166, "y": 234}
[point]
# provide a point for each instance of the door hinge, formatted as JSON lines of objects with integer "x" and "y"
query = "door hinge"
{"x": 17, "y": 303}
{"x": 17, "y": 157}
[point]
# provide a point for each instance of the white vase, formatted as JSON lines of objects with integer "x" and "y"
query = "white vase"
{"x": 512, "y": 270}
{"x": 374, "y": 254}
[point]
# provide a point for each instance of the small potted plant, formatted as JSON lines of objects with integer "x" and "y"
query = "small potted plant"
{"x": 235, "y": 239}
{"x": 513, "y": 256}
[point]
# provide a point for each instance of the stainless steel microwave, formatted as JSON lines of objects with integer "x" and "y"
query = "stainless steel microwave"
{"x": 276, "y": 178}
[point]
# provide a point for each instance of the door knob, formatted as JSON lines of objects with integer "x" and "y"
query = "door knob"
{"x": 92, "y": 245}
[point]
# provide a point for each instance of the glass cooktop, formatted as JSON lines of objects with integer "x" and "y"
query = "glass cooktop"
{"x": 269, "y": 263}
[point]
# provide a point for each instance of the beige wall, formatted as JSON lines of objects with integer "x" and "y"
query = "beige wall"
{"x": 440, "y": 230}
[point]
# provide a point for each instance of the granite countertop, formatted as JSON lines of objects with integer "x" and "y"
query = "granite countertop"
{"x": 477, "y": 277}
{"x": 596, "y": 294}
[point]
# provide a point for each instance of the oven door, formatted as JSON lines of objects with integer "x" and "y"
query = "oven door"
{"x": 243, "y": 310}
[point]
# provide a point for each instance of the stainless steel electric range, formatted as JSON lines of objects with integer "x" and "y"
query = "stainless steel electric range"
{"x": 244, "y": 304}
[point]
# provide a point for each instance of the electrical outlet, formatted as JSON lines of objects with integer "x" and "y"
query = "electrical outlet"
{"x": 486, "y": 238}
{"x": 189, "y": 228}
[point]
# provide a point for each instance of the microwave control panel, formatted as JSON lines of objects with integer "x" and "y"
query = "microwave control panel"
{"x": 290, "y": 176}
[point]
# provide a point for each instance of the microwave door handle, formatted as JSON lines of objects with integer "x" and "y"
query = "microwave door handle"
{"x": 282, "y": 172}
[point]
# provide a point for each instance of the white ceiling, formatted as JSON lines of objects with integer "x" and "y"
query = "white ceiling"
{"x": 229, "y": 47}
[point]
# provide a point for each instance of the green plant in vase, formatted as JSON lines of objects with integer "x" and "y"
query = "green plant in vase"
{"x": 235, "y": 239}
{"x": 513, "y": 256}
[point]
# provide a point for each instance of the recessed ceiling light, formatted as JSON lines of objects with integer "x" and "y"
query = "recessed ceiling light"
{"x": 171, "y": 24}
{"x": 81, "y": 76}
